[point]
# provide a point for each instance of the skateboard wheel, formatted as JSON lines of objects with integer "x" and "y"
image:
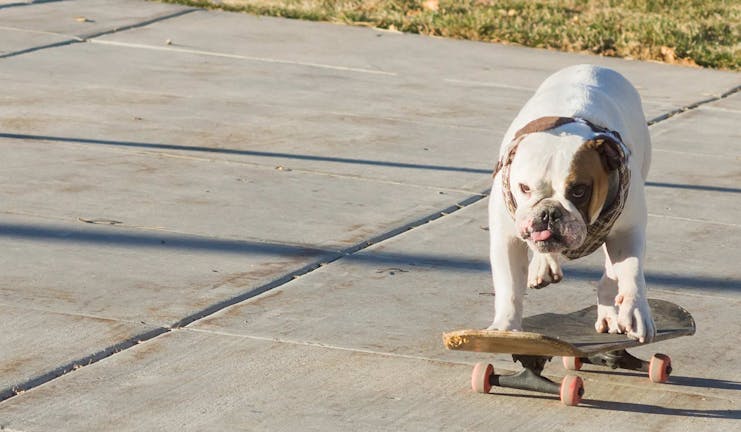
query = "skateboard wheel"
{"x": 572, "y": 363}
{"x": 481, "y": 377}
{"x": 660, "y": 368}
{"x": 572, "y": 390}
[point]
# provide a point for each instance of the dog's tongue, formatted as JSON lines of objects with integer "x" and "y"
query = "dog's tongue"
{"x": 541, "y": 235}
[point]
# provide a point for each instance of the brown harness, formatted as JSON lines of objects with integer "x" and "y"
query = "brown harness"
{"x": 612, "y": 149}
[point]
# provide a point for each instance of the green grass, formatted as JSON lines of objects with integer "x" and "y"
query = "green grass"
{"x": 690, "y": 32}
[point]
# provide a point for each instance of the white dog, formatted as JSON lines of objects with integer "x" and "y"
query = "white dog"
{"x": 570, "y": 179}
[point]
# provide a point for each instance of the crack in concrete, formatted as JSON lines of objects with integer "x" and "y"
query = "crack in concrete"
{"x": 27, "y": 3}
{"x": 242, "y": 57}
{"x": 10, "y": 392}
{"x": 693, "y": 106}
{"x": 87, "y": 37}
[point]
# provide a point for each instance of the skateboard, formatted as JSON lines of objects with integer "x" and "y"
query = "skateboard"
{"x": 571, "y": 336}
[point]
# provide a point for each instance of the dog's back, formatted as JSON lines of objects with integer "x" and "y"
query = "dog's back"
{"x": 598, "y": 94}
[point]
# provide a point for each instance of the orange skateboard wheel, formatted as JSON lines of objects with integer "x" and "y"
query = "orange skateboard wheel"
{"x": 660, "y": 368}
{"x": 481, "y": 377}
{"x": 572, "y": 390}
{"x": 572, "y": 363}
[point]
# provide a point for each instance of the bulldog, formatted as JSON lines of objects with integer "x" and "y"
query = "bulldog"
{"x": 570, "y": 180}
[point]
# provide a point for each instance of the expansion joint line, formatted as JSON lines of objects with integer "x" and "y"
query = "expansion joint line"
{"x": 693, "y": 106}
{"x": 88, "y": 37}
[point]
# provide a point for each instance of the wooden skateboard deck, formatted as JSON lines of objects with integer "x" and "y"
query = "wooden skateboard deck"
{"x": 570, "y": 334}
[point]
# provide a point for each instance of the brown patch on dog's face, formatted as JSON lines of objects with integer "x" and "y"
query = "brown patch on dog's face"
{"x": 587, "y": 183}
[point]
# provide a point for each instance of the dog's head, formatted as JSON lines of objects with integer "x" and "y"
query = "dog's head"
{"x": 560, "y": 184}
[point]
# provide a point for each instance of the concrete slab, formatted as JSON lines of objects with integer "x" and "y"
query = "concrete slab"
{"x": 201, "y": 381}
{"x": 130, "y": 274}
{"x": 695, "y": 160}
{"x": 701, "y": 132}
{"x": 438, "y": 62}
{"x": 15, "y": 41}
{"x": 36, "y": 342}
{"x": 213, "y": 199}
{"x": 250, "y": 135}
{"x": 680, "y": 170}
{"x": 268, "y": 117}
{"x": 677, "y": 184}
{"x": 85, "y": 18}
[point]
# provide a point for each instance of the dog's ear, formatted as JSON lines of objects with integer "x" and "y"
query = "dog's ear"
{"x": 609, "y": 151}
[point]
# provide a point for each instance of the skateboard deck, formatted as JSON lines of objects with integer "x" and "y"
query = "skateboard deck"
{"x": 572, "y": 334}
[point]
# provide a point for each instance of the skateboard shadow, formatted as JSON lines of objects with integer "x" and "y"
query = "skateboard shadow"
{"x": 632, "y": 407}
{"x": 676, "y": 380}
{"x": 704, "y": 383}
{"x": 659, "y": 410}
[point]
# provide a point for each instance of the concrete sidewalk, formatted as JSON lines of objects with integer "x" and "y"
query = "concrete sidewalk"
{"x": 216, "y": 221}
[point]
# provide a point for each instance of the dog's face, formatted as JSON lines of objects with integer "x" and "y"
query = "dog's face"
{"x": 560, "y": 184}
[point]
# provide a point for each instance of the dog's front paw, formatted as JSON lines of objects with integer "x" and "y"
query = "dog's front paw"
{"x": 607, "y": 319}
{"x": 634, "y": 318}
{"x": 505, "y": 325}
{"x": 543, "y": 271}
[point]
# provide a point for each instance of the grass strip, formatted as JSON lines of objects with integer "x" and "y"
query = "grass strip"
{"x": 690, "y": 32}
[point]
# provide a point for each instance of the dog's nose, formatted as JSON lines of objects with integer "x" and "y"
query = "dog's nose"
{"x": 555, "y": 214}
{"x": 551, "y": 214}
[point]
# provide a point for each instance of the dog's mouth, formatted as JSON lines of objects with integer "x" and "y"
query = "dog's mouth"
{"x": 541, "y": 236}
{"x": 546, "y": 240}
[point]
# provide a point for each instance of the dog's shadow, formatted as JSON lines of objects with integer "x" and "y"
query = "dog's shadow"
{"x": 660, "y": 410}
{"x": 647, "y": 408}
{"x": 675, "y": 380}
{"x": 635, "y": 407}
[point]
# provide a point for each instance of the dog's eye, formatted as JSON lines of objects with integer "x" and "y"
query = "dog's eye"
{"x": 578, "y": 191}
{"x": 524, "y": 188}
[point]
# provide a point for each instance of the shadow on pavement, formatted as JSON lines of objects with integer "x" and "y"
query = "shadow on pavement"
{"x": 693, "y": 187}
{"x": 653, "y": 409}
{"x": 331, "y": 159}
{"x": 252, "y": 153}
{"x": 631, "y": 407}
{"x": 665, "y": 279}
{"x": 170, "y": 241}
{"x": 676, "y": 380}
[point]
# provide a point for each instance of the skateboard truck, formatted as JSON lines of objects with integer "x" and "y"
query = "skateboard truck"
{"x": 659, "y": 367}
{"x": 570, "y": 390}
{"x": 620, "y": 359}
